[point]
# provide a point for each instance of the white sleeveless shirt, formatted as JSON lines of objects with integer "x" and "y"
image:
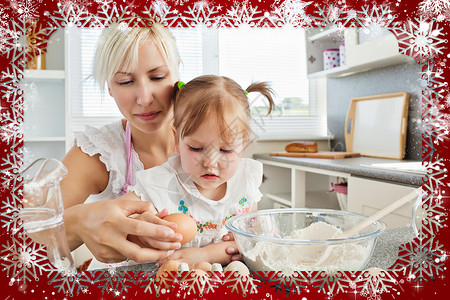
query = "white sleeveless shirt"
{"x": 110, "y": 142}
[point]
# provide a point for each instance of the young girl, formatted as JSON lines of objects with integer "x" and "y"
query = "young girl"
{"x": 208, "y": 180}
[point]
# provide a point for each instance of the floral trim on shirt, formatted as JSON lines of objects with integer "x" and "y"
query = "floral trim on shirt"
{"x": 245, "y": 208}
{"x": 225, "y": 219}
{"x": 207, "y": 225}
{"x": 212, "y": 226}
{"x": 182, "y": 207}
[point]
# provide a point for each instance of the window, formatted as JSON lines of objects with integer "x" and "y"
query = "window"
{"x": 256, "y": 54}
{"x": 276, "y": 55}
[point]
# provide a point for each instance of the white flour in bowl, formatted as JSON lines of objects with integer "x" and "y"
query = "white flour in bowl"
{"x": 289, "y": 258}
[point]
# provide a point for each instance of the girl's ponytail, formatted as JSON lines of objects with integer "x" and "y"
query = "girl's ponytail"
{"x": 265, "y": 90}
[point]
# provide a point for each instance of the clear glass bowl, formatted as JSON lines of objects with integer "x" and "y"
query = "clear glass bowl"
{"x": 291, "y": 240}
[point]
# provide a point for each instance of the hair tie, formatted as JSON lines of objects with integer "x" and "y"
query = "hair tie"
{"x": 180, "y": 84}
{"x": 246, "y": 93}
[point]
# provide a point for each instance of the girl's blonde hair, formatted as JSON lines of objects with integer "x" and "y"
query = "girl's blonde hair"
{"x": 118, "y": 48}
{"x": 212, "y": 96}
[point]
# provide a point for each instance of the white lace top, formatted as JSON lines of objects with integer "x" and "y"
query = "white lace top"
{"x": 109, "y": 142}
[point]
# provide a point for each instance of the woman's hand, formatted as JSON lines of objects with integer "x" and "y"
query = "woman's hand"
{"x": 190, "y": 255}
{"x": 150, "y": 241}
{"x": 105, "y": 225}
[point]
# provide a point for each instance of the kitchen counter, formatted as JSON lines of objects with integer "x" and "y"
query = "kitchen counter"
{"x": 355, "y": 166}
{"x": 383, "y": 256}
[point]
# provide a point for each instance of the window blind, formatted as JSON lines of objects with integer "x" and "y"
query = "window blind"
{"x": 262, "y": 54}
{"x": 276, "y": 55}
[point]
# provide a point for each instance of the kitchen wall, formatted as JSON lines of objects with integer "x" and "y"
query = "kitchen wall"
{"x": 404, "y": 77}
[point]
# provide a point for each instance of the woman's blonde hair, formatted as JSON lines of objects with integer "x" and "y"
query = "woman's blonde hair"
{"x": 211, "y": 96}
{"x": 118, "y": 47}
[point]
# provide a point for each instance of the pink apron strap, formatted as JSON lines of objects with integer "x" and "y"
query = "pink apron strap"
{"x": 129, "y": 159}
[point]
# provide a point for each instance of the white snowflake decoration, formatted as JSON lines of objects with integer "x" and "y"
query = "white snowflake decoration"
{"x": 433, "y": 83}
{"x": 436, "y": 170}
{"x": 113, "y": 280}
{"x": 287, "y": 283}
{"x": 375, "y": 281}
{"x": 113, "y": 14}
{"x": 244, "y": 15}
{"x": 240, "y": 284}
{"x": 332, "y": 283}
{"x": 431, "y": 215}
{"x": 376, "y": 16}
{"x": 200, "y": 15}
{"x": 26, "y": 9}
{"x": 77, "y": 282}
{"x": 69, "y": 14}
{"x": 420, "y": 259}
{"x": 331, "y": 15}
{"x": 3, "y": 19}
{"x": 105, "y": 4}
{"x": 11, "y": 205}
{"x": 10, "y": 131}
{"x": 291, "y": 13}
{"x": 161, "y": 12}
{"x": 24, "y": 260}
{"x": 12, "y": 163}
{"x": 438, "y": 9}
{"x": 420, "y": 38}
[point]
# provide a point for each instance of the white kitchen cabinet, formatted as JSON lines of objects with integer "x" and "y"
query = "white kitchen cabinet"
{"x": 364, "y": 50}
{"x": 45, "y": 104}
{"x": 367, "y": 196}
{"x": 289, "y": 185}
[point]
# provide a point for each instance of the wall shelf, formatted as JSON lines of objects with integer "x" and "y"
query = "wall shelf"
{"x": 343, "y": 71}
{"x": 283, "y": 198}
{"x": 361, "y": 56}
{"x": 44, "y": 125}
{"x": 44, "y": 74}
{"x": 46, "y": 139}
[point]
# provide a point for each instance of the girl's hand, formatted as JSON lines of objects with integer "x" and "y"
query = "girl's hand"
{"x": 232, "y": 250}
{"x": 189, "y": 255}
{"x": 105, "y": 225}
{"x": 228, "y": 237}
{"x": 212, "y": 253}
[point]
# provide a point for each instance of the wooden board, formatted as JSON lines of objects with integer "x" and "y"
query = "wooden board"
{"x": 320, "y": 154}
{"x": 376, "y": 125}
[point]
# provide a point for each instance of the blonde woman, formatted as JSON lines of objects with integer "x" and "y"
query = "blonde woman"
{"x": 138, "y": 67}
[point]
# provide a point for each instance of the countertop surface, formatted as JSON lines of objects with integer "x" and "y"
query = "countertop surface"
{"x": 367, "y": 167}
{"x": 384, "y": 255}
